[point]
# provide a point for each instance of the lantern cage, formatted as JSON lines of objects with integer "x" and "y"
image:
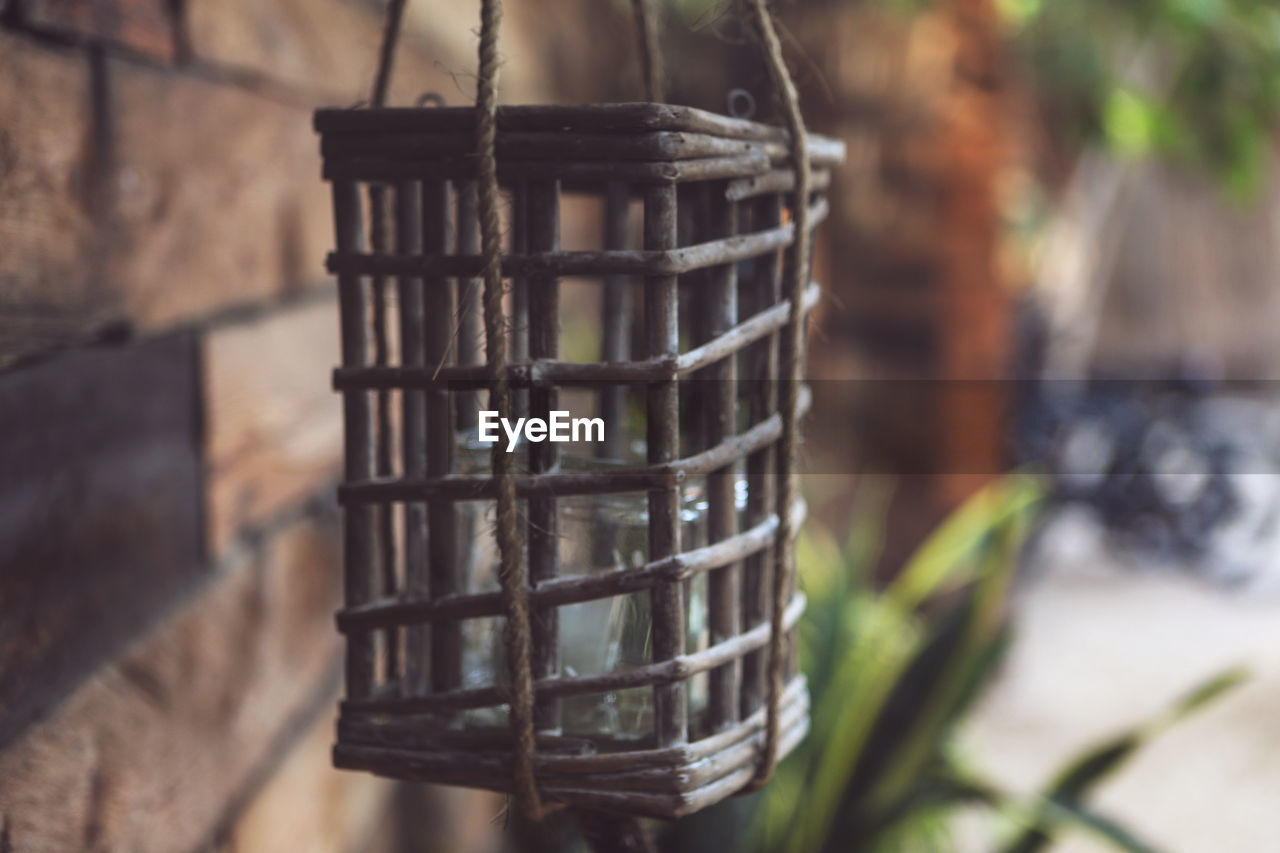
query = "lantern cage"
{"x": 650, "y": 554}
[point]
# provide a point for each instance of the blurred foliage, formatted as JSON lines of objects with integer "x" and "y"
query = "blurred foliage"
{"x": 892, "y": 672}
{"x": 1195, "y": 80}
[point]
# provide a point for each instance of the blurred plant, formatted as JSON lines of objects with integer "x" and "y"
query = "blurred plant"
{"x": 892, "y": 673}
{"x": 1197, "y": 81}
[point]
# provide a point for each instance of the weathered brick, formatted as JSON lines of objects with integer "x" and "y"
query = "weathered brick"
{"x": 273, "y": 427}
{"x": 217, "y": 196}
{"x": 147, "y": 754}
{"x": 184, "y": 198}
{"x": 143, "y": 25}
{"x": 308, "y": 805}
{"x": 101, "y": 530}
{"x": 50, "y": 290}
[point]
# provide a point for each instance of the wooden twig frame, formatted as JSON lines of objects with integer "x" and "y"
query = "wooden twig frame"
{"x": 714, "y": 193}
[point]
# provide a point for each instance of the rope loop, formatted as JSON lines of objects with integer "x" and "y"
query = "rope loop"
{"x": 796, "y": 278}
{"x": 511, "y": 571}
{"x": 740, "y": 103}
{"x": 514, "y": 586}
{"x": 651, "y": 69}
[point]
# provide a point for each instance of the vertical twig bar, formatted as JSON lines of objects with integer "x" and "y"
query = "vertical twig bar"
{"x": 719, "y": 401}
{"x": 615, "y": 346}
{"x": 470, "y": 322}
{"x": 671, "y": 719}
{"x": 519, "y": 349}
{"x": 358, "y": 542}
{"x": 384, "y": 522}
{"x": 442, "y": 551}
{"x": 758, "y": 370}
{"x": 543, "y": 206}
{"x": 413, "y": 433}
{"x": 470, "y": 313}
{"x": 787, "y": 468}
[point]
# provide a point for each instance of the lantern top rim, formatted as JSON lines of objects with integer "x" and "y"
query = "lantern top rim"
{"x": 611, "y": 118}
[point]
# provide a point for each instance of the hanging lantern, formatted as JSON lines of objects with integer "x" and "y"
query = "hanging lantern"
{"x": 650, "y": 535}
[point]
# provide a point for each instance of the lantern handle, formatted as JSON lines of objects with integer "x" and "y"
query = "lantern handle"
{"x": 651, "y": 68}
{"x": 514, "y": 587}
{"x": 650, "y": 56}
{"x": 796, "y": 280}
{"x": 387, "y": 53}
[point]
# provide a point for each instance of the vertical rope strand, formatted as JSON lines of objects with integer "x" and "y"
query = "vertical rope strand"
{"x": 515, "y": 594}
{"x": 387, "y": 55}
{"x": 797, "y": 274}
{"x": 651, "y": 70}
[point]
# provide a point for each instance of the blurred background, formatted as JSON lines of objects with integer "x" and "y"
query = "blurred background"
{"x": 1042, "y": 460}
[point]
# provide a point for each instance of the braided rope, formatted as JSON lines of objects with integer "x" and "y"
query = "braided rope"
{"x": 796, "y": 278}
{"x": 515, "y": 593}
{"x": 647, "y": 42}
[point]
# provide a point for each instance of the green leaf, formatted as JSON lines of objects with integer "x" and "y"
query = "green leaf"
{"x": 971, "y": 646}
{"x": 949, "y": 558}
{"x": 863, "y": 682}
{"x": 1099, "y": 826}
{"x": 1065, "y": 795}
{"x": 1130, "y": 121}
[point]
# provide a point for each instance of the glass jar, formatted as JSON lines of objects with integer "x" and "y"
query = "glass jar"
{"x": 597, "y": 534}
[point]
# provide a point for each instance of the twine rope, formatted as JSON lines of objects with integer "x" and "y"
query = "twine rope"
{"x": 515, "y": 592}
{"x": 387, "y": 54}
{"x": 647, "y": 43}
{"x": 514, "y": 589}
{"x": 796, "y": 277}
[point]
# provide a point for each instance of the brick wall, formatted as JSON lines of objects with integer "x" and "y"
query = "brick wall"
{"x": 169, "y": 562}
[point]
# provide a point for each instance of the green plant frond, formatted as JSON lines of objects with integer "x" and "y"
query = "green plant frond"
{"x": 1041, "y": 821}
{"x": 969, "y": 642}
{"x": 861, "y": 684}
{"x": 1096, "y": 764}
{"x": 950, "y": 558}
{"x": 863, "y": 545}
{"x": 1065, "y": 795}
{"x": 819, "y": 564}
{"x": 1206, "y": 693}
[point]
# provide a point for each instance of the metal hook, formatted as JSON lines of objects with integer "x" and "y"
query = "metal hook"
{"x": 740, "y": 103}
{"x": 434, "y": 99}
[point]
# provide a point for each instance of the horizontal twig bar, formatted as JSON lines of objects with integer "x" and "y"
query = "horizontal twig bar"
{"x": 564, "y": 484}
{"x": 393, "y": 612}
{"x": 671, "y": 671}
{"x": 628, "y": 118}
{"x": 557, "y": 767}
{"x": 776, "y": 181}
{"x": 661, "y": 146}
{"x": 638, "y": 262}
{"x": 381, "y": 169}
{"x": 745, "y": 333}
{"x": 653, "y": 147}
{"x": 563, "y": 754}
{"x": 550, "y": 372}
{"x": 686, "y": 778}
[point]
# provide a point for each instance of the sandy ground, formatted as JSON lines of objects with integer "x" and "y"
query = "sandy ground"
{"x": 1100, "y": 648}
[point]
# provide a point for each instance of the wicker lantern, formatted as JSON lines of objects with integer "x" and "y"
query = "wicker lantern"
{"x": 649, "y": 553}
